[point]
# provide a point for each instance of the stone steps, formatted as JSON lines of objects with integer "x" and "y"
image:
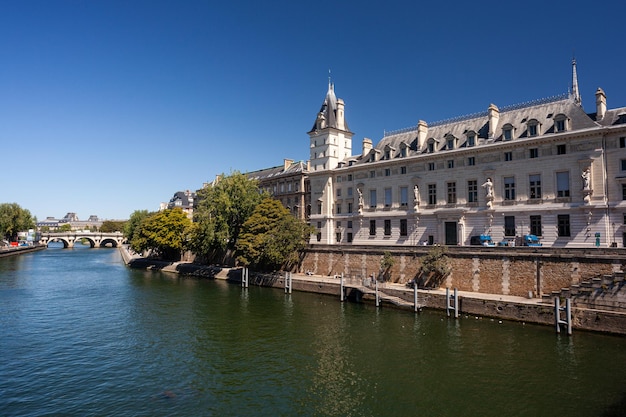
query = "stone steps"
{"x": 603, "y": 293}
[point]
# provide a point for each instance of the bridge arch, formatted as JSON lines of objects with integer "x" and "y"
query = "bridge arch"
{"x": 66, "y": 243}
{"x": 106, "y": 241}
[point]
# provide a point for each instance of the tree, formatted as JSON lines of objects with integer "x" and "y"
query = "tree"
{"x": 165, "y": 234}
{"x": 434, "y": 268}
{"x": 133, "y": 223}
{"x": 271, "y": 238}
{"x": 110, "y": 226}
{"x": 14, "y": 219}
{"x": 386, "y": 263}
{"x": 221, "y": 212}
{"x": 65, "y": 227}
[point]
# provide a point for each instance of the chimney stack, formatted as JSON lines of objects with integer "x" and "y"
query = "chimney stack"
{"x": 494, "y": 117}
{"x": 367, "y": 146}
{"x": 600, "y": 104}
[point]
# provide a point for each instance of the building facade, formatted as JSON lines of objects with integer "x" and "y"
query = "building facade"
{"x": 545, "y": 168}
{"x": 288, "y": 184}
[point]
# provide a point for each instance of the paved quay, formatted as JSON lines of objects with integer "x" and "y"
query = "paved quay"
{"x": 392, "y": 295}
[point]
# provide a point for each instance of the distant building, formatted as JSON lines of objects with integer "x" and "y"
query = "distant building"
{"x": 72, "y": 219}
{"x": 288, "y": 184}
{"x": 546, "y": 168}
{"x": 183, "y": 200}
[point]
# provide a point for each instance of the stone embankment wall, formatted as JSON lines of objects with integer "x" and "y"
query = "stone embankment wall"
{"x": 18, "y": 250}
{"x": 515, "y": 271}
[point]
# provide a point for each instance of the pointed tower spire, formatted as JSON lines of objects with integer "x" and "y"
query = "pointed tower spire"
{"x": 575, "y": 92}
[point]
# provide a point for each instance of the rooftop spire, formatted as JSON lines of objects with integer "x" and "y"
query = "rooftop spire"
{"x": 575, "y": 93}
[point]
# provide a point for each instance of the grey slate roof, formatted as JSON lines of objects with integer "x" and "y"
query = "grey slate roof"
{"x": 543, "y": 111}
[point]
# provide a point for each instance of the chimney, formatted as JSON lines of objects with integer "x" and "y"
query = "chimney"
{"x": 367, "y": 146}
{"x": 287, "y": 163}
{"x": 494, "y": 116}
{"x": 422, "y": 133}
{"x": 341, "y": 123}
{"x": 600, "y": 104}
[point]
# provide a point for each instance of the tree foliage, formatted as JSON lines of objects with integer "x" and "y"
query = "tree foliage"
{"x": 14, "y": 219}
{"x": 221, "y": 212}
{"x": 386, "y": 263}
{"x": 165, "y": 234}
{"x": 435, "y": 267}
{"x": 110, "y": 226}
{"x": 271, "y": 238}
{"x": 133, "y": 223}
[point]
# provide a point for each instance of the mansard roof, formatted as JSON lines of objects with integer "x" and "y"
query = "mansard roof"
{"x": 543, "y": 112}
{"x": 277, "y": 171}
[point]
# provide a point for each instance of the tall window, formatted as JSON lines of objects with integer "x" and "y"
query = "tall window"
{"x": 509, "y": 188}
{"x": 535, "y": 186}
{"x": 559, "y": 123}
{"x": 623, "y": 191}
{"x": 561, "y": 149}
{"x": 508, "y": 156}
{"x": 349, "y": 191}
{"x": 387, "y": 227}
{"x": 338, "y": 192}
{"x": 404, "y": 196}
{"x": 471, "y": 140}
{"x": 431, "y": 166}
{"x": 563, "y": 225}
{"x": 387, "y": 197}
{"x": 451, "y": 163}
{"x": 535, "y": 225}
{"x": 372, "y": 227}
{"x": 372, "y": 198}
{"x": 403, "y": 228}
{"x": 533, "y": 152}
{"x": 432, "y": 194}
{"x": 451, "y": 192}
{"x": 532, "y": 128}
{"x": 402, "y": 170}
{"x": 472, "y": 191}
{"x": 562, "y": 184}
{"x": 507, "y": 132}
{"x": 372, "y": 174}
{"x": 349, "y": 208}
{"x": 338, "y": 208}
{"x": 387, "y": 172}
{"x": 509, "y": 225}
{"x": 471, "y": 161}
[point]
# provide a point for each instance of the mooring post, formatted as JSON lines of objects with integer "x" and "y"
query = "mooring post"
{"x": 244, "y": 278}
{"x": 341, "y": 289}
{"x": 568, "y": 315}
{"x": 290, "y": 282}
{"x": 287, "y": 282}
{"x": 377, "y": 299}
{"x": 415, "y": 295}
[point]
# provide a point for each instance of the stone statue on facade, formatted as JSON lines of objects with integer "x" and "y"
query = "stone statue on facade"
{"x": 416, "y": 197}
{"x": 488, "y": 186}
{"x": 586, "y": 176}
{"x": 358, "y": 190}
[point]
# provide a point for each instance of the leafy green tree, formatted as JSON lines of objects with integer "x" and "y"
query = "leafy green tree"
{"x": 65, "y": 227}
{"x": 386, "y": 263}
{"x": 221, "y": 212}
{"x": 134, "y": 221}
{"x": 110, "y": 226}
{"x": 14, "y": 219}
{"x": 165, "y": 234}
{"x": 272, "y": 238}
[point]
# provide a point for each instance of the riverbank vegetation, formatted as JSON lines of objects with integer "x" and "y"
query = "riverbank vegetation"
{"x": 234, "y": 222}
{"x": 14, "y": 219}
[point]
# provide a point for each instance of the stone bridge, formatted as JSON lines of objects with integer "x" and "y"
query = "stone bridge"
{"x": 95, "y": 239}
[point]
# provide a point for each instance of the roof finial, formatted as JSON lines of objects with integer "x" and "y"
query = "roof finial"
{"x": 330, "y": 85}
{"x": 575, "y": 92}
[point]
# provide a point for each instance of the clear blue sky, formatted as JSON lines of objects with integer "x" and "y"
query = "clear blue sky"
{"x": 107, "y": 107}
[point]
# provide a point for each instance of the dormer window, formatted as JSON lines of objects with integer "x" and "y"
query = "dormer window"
{"x": 431, "y": 145}
{"x": 560, "y": 123}
{"x": 533, "y": 127}
{"x": 387, "y": 154}
{"x": 471, "y": 139}
{"x": 450, "y": 142}
{"x": 403, "y": 152}
{"x": 507, "y": 131}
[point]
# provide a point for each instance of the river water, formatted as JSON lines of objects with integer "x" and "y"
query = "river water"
{"x": 83, "y": 335}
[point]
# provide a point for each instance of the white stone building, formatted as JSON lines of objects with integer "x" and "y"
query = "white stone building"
{"x": 545, "y": 167}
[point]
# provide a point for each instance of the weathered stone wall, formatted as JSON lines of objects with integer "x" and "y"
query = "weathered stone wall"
{"x": 507, "y": 271}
